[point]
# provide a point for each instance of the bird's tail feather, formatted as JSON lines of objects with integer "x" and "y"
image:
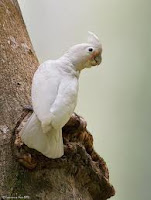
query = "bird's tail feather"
{"x": 50, "y": 144}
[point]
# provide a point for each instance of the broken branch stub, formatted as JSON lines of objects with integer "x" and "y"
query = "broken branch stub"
{"x": 80, "y": 160}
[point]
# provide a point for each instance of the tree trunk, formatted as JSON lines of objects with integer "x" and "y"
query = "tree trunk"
{"x": 80, "y": 173}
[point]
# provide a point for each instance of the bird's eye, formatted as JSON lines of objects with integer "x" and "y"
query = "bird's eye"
{"x": 90, "y": 49}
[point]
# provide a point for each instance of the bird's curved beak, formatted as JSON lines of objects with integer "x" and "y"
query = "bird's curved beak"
{"x": 98, "y": 59}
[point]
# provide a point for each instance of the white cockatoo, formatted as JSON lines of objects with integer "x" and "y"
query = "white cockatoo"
{"x": 54, "y": 96}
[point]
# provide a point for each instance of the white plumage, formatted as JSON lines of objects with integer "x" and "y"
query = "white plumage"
{"x": 54, "y": 96}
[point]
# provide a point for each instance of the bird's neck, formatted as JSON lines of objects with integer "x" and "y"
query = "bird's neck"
{"x": 67, "y": 66}
{"x": 74, "y": 61}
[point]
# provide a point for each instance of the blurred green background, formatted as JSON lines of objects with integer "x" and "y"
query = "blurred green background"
{"x": 114, "y": 98}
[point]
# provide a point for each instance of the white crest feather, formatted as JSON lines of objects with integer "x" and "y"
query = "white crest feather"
{"x": 93, "y": 39}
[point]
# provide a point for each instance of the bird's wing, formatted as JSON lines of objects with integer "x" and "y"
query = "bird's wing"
{"x": 45, "y": 86}
{"x": 65, "y": 102}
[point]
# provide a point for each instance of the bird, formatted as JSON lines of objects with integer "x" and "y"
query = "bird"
{"x": 54, "y": 95}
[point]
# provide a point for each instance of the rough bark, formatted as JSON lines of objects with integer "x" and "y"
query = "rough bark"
{"x": 80, "y": 173}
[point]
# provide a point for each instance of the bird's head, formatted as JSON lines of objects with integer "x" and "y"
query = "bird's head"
{"x": 86, "y": 55}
